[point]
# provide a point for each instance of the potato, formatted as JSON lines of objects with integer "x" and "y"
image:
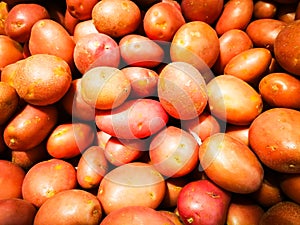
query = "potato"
{"x": 91, "y": 167}
{"x": 16, "y": 211}
{"x": 289, "y": 184}
{"x": 279, "y": 149}
{"x": 172, "y": 216}
{"x": 70, "y": 207}
{"x": 4, "y": 8}
{"x": 230, "y": 164}
{"x": 68, "y": 140}
{"x": 280, "y": 90}
{"x": 50, "y": 37}
{"x": 42, "y": 79}
{"x": 9, "y": 101}
{"x": 105, "y": 87}
{"x": 137, "y": 118}
{"x": 135, "y": 215}
{"x": 116, "y": 18}
{"x": 11, "y": 180}
{"x": 249, "y": 65}
{"x": 239, "y": 132}
{"x": 83, "y": 28}
{"x": 284, "y": 48}
{"x": 202, "y": 202}
{"x": 236, "y": 14}
{"x": 182, "y": 90}
{"x": 132, "y": 184}
{"x": 10, "y": 51}
{"x": 264, "y": 9}
{"x": 21, "y": 18}
{"x": 81, "y": 10}
{"x": 47, "y": 178}
{"x": 29, "y": 127}
{"x": 174, "y": 152}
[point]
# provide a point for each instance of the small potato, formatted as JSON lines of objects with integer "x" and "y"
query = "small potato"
{"x": 197, "y": 194}
{"x": 233, "y": 100}
{"x": 10, "y": 51}
{"x": 182, "y": 90}
{"x": 81, "y": 10}
{"x": 11, "y": 180}
{"x": 29, "y": 127}
{"x": 290, "y": 186}
{"x": 249, "y": 65}
{"x": 236, "y": 14}
{"x": 68, "y": 140}
{"x": 143, "y": 81}
{"x": 132, "y": 184}
{"x": 263, "y": 32}
{"x": 21, "y": 18}
{"x": 92, "y": 167}
{"x": 50, "y": 37}
{"x": 47, "y": 178}
{"x": 264, "y": 9}
{"x": 280, "y": 90}
{"x": 138, "y": 50}
{"x": 231, "y": 164}
{"x": 137, "y": 118}
{"x": 70, "y": 207}
{"x": 9, "y": 101}
{"x": 136, "y": 215}
{"x": 96, "y": 49}
{"x": 42, "y": 79}
{"x": 239, "y": 132}
{"x": 16, "y": 211}
{"x": 83, "y": 28}
{"x": 279, "y": 149}
{"x": 116, "y": 18}
{"x": 105, "y": 87}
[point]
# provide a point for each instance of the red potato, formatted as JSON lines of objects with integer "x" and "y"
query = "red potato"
{"x": 239, "y": 132}
{"x": 70, "y": 207}
{"x": 50, "y": 37}
{"x": 11, "y": 180}
{"x": 132, "y": 184}
{"x": 231, "y": 164}
{"x": 191, "y": 43}
{"x": 123, "y": 151}
{"x": 74, "y": 105}
{"x": 278, "y": 150}
{"x": 70, "y": 139}
{"x": 21, "y": 18}
{"x": 81, "y": 9}
{"x": 136, "y": 215}
{"x": 4, "y": 8}
{"x": 290, "y": 186}
{"x": 264, "y": 9}
{"x": 286, "y": 54}
{"x": 174, "y": 152}
{"x": 83, "y": 28}
{"x": 47, "y": 178}
{"x": 96, "y": 49}
{"x": 232, "y": 42}
{"x": 91, "y": 167}
{"x": 280, "y": 90}
{"x": 263, "y": 32}
{"x": 139, "y": 118}
{"x": 10, "y": 51}
{"x": 16, "y": 211}
{"x": 8, "y": 73}
{"x": 42, "y": 79}
{"x": 172, "y": 216}
{"x": 203, "y": 126}
{"x": 182, "y": 90}
{"x": 138, "y": 50}
{"x": 202, "y": 202}
{"x": 233, "y": 100}
{"x": 243, "y": 210}
{"x": 70, "y": 22}
{"x": 116, "y": 18}
{"x": 105, "y": 87}
{"x": 29, "y": 127}
{"x": 143, "y": 81}
{"x": 102, "y": 139}
{"x": 235, "y": 15}
{"x": 162, "y": 20}
{"x": 207, "y": 11}
{"x": 249, "y": 65}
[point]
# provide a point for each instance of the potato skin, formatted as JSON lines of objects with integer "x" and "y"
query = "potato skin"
{"x": 30, "y": 127}
{"x": 42, "y": 79}
{"x": 274, "y": 137}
